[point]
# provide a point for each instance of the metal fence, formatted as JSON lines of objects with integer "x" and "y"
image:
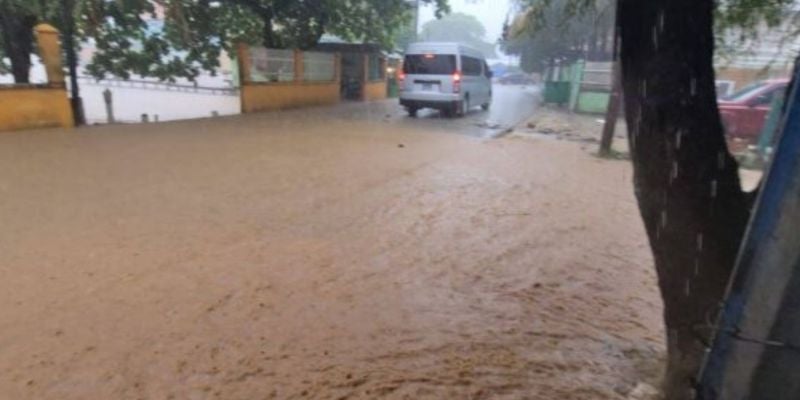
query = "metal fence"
{"x": 278, "y": 65}
{"x": 319, "y": 67}
{"x": 160, "y": 86}
{"x": 271, "y": 65}
{"x": 597, "y": 76}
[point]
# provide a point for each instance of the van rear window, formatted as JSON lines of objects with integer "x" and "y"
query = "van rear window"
{"x": 430, "y": 64}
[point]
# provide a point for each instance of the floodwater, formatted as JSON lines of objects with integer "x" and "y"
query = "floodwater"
{"x": 511, "y": 105}
{"x": 309, "y": 255}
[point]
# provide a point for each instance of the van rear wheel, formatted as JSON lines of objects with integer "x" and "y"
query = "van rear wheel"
{"x": 463, "y": 107}
{"x": 412, "y": 112}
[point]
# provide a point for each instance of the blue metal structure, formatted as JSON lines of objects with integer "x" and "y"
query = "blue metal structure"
{"x": 756, "y": 351}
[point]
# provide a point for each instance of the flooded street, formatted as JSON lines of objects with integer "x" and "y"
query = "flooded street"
{"x": 344, "y": 253}
{"x": 511, "y": 105}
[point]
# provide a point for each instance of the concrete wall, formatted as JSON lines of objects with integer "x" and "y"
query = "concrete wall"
{"x": 376, "y": 90}
{"x": 268, "y": 96}
{"x": 34, "y": 106}
{"x": 279, "y": 96}
{"x": 25, "y": 106}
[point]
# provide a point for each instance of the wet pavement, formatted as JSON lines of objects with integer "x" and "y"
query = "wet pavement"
{"x": 329, "y": 253}
{"x": 511, "y": 105}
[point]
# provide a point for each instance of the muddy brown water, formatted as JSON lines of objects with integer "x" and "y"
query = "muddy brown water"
{"x": 262, "y": 257}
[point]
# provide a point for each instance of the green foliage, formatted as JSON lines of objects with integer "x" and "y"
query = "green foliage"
{"x": 740, "y": 23}
{"x": 551, "y": 31}
{"x": 167, "y": 40}
{"x": 170, "y": 39}
{"x": 746, "y": 15}
{"x": 403, "y": 37}
{"x": 459, "y": 27}
{"x": 5, "y": 68}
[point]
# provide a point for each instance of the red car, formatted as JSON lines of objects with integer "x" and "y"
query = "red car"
{"x": 744, "y": 112}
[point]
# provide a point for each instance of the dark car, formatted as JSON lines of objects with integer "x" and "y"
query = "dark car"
{"x": 744, "y": 112}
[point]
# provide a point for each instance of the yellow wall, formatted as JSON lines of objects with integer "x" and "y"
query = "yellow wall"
{"x": 50, "y": 52}
{"x": 376, "y": 90}
{"x": 30, "y": 107}
{"x": 279, "y": 96}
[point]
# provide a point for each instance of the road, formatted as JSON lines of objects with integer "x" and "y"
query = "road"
{"x": 339, "y": 253}
{"x": 510, "y": 106}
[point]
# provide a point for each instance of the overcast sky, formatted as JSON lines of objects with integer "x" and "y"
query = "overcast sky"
{"x": 492, "y": 13}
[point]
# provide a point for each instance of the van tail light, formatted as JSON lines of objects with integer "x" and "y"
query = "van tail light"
{"x": 401, "y": 79}
{"x": 457, "y": 82}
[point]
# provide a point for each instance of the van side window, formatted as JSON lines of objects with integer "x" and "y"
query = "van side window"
{"x": 471, "y": 66}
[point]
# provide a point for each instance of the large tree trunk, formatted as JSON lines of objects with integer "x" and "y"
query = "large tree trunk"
{"x": 593, "y": 40}
{"x": 269, "y": 38}
{"x": 17, "y": 34}
{"x": 686, "y": 182}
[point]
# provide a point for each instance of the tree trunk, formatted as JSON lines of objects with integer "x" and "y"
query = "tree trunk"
{"x": 593, "y": 44}
{"x": 686, "y": 182}
{"x": 68, "y": 20}
{"x": 612, "y": 113}
{"x": 270, "y": 40}
{"x": 17, "y": 34}
{"x": 604, "y": 51}
{"x": 615, "y": 99}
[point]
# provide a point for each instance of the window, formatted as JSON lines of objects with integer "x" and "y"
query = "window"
{"x": 430, "y": 64}
{"x": 766, "y": 98}
{"x": 471, "y": 66}
{"x": 271, "y": 65}
{"x": 724, "y": 87}
{"x": 744, "y": 92}
{"x": 319, "y": 67}
{"x": 376, "y": 71}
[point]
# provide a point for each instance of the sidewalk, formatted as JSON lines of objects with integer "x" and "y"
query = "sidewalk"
{"x": 554, "y": 123}
{"x": 551, "y": 122}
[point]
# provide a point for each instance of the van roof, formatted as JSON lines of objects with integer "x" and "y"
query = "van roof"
{"x": 443, "y": 48}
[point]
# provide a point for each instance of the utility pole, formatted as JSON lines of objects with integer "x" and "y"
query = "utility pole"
{"x": 109, "y": 100}
{"x": 615, "y": 100}
{"x": 612, "y": 113}
{"x": 68, "y": 17}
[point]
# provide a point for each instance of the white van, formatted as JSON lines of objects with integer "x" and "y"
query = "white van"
{"x": 449, "y": 77}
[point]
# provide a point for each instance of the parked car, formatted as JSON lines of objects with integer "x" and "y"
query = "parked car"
{"x": 744, "y": 112}
{"x": 516, "y": 79}
{"x": 449, "y": 77}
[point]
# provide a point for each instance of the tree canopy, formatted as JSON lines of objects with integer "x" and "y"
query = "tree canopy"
{"x": 555, "y": 31}
{"x": 548, "y": 30}
{"x": 461, "y": 28}
{"x": 171, "y": 39}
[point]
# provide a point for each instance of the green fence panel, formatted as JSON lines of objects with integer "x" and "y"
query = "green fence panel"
{"x": 593, "y": 102}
